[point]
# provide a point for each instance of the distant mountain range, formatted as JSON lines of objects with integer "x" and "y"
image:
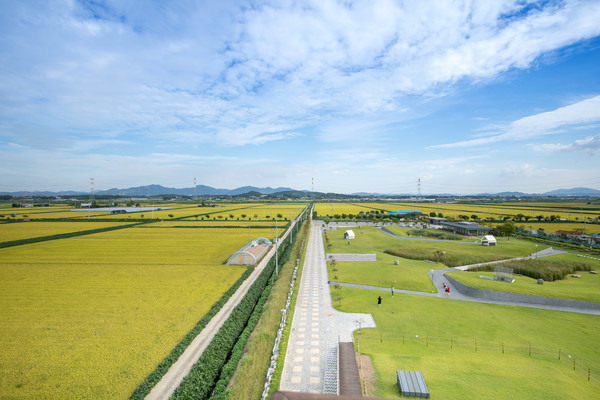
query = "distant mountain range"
{"x": 157, "y": 190}
{"x": 203, "y": 190}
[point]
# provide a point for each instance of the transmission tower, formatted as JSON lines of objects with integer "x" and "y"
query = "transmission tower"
{"x": 419, "y": 187}
{"x": 195, "y": 189}
{"x": 91, "y": 190}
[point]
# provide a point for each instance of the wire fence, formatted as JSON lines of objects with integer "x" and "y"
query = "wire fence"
{"x": 586, "y": 364}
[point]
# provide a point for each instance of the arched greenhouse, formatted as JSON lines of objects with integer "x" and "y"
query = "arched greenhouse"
{"x": 251, "y": 253}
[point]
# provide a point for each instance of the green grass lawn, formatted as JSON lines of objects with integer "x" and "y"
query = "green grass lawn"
{"x": 415, "y": 333}
{"x": 407, "y": 275}
{"x": 372, "y": 240}
{"x": 586, "y": 288}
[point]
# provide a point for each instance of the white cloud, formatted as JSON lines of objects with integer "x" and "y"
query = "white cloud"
{"x": 589, "y": 144}
{"x": 581, "y": 113}
{"x": 195, "y": 76}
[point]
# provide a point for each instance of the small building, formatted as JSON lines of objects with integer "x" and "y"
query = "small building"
{"x": 436, "y": 220}
{"x": 412, "y": 384}
{"x": 488, "y": 240}
{"x": 465, "y": 228}
{"x": 406, "y": 213}
{"x": 349, "y": 234}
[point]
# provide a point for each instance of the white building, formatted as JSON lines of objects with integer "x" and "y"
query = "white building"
{"x": 488, "y": 240}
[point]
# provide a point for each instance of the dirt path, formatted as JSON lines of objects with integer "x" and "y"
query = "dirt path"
{"x": 181, "y": 368}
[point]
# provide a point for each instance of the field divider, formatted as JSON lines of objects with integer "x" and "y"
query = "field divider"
{"x": 67, "y": 235}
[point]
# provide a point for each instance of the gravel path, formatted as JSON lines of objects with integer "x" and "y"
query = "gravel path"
{"x": 311, "y": 358}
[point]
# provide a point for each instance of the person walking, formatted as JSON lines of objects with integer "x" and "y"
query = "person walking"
{"x": 379, "y": 301}
{"x": 392, "y": 290}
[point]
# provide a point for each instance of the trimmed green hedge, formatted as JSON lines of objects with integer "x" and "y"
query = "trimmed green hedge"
{"x": 449, "y": 259}
{"x": 435, "y": 234}
{"x": 238, "y": 350}
{"x": 548, "y": 270}
{"x": 146, "y": 386}
{"x": 201, "y": 381}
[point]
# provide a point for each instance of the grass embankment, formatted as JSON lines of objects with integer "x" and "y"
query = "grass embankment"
{"x": 248, "y": 381}
{"x": 439, "y": 338}
{"x": 585, "y": 288}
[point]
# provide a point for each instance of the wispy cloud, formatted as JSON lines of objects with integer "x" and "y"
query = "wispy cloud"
{"x": 121, "y": 79}
{"x": 590, "y": 144}
{"x": 546, "y": 123}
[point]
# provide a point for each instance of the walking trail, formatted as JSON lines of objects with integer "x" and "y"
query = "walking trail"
{"x": 181, "y": 368}
{"x": 311, "y": 359}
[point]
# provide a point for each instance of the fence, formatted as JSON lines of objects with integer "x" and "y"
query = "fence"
{"x": 499, "y": 348}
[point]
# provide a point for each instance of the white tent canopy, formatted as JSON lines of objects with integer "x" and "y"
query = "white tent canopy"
{"x": 349, "y": 234}
{"x": 488, "y": 240}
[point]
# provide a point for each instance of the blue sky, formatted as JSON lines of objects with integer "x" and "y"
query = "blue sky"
{"x": 468, "y": 96}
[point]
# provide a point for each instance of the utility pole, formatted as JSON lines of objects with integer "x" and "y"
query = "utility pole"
{"x": 276, "y": 252}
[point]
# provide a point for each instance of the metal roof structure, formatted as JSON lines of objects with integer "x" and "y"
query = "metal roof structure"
{"x": 251, "y": 253}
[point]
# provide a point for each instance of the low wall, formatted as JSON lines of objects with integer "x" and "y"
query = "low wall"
{"x": 525, "y": 299}
{"x": 352, "y": 257}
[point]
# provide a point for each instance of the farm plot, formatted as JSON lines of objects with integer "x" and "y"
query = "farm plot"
{"x": 262, "y": 211}
{"x": 33, "y": 213}
{"x": 92, "y": 316}
{"x": 26, "y": 230}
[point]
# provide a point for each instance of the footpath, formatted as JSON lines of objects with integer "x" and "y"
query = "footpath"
{"x": 181, "y": 368}
{"x": 311, "y": 358}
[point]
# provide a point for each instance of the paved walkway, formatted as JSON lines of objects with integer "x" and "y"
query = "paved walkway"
{"x": 311, "y": 358}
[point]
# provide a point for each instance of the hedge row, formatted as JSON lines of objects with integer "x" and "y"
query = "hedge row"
{"x": 201, "y": 380}
{"x": 63, "y": 235}
{"x": 220, "y": 392}
{"x": 146, "y": 386}
{"x": 230, "y": 367}
{"x": 449, "y": 259}
{"x": 548, "y": 270}
{"x": 435, "y": 234}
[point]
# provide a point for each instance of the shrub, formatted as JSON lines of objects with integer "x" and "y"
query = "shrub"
{"x": 548, "y": 270}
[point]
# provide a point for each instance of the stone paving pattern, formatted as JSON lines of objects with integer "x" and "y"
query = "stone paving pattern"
{"x": 316, "y": 326}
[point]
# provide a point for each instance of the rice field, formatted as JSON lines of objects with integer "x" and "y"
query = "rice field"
{"x": 575, "y": 213}
{"x": 27, "y": 230}
{"x": 91, "y": 316}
